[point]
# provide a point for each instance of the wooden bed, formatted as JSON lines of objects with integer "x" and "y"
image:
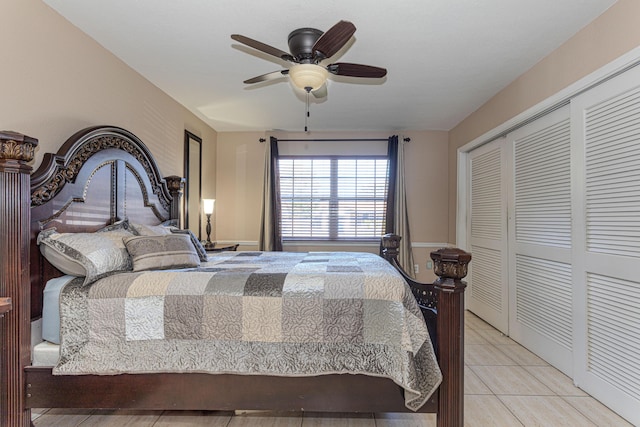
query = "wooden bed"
{"x": 103, "y": 174}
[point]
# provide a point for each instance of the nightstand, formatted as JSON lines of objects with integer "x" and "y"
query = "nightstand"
{"x": 5, "y": 305}
{"x": 223, "y": 248}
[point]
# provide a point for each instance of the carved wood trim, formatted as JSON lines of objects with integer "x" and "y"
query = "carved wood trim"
{"x": 58, "y": 169}
{"x": 16, "y": 146}
{"x": 424, "y": 293}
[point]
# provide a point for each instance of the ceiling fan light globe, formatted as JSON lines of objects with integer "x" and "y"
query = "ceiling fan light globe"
{"x": 305, "y": 76}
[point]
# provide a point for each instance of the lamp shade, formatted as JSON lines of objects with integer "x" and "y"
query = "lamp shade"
{"x": 207, "y": 206}
{"x": 308, "y": 77}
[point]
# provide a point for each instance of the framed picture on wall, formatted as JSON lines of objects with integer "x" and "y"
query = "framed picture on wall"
{"x": 193, "y": 186}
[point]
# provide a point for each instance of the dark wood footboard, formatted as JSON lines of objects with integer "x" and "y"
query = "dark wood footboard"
{"x": 442, "y": 304}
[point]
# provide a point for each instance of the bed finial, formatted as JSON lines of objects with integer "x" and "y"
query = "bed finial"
{"x": 16, "y": 150}
{"x": 390, "y": 246}
{"x": 16, "y": 147}
{"x": 450, "y": 264}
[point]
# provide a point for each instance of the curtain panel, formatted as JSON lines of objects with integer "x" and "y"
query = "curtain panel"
{"x": 397, "y": 217}
{"x": 270, "y": 234}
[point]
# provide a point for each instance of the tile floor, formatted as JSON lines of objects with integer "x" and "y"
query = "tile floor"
{"x": 505, "y": 385}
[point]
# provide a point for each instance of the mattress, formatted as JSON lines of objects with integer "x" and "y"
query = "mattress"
{"x": 47, "y": 352}
{"x": 51, "y": 308}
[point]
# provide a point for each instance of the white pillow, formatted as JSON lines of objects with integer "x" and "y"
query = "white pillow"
{"x": 151, "y": 230}
{"x": 92, "y": 255}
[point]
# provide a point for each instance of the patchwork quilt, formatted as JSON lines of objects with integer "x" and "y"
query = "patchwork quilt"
{"x": 267, "y": 313}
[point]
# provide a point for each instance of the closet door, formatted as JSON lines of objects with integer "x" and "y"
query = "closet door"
{"x": 540, "y": 272}
{"x": 606, "y": 147}
{"x": 487, "y": 295}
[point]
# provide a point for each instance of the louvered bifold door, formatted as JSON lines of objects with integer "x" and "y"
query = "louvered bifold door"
{"x": 487, "y": 295}
{"x": 540, "y": 288}
{"x": 606, "y": 126}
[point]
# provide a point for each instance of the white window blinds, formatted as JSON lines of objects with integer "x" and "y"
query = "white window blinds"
{"x": 333, "y": 198}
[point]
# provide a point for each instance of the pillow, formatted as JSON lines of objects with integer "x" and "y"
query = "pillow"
{"x": 170, "y": 223}
{"x": 92, "y": 255}
{"x": 151, "y": 230}
{"x": 118, "y": 225}
{"x": 200, "y": 250}
{"x": 165, "y": 229}
{"x": 161, "y": 252}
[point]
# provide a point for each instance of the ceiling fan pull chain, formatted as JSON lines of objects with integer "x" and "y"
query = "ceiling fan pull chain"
{"x": 306, "y": 115}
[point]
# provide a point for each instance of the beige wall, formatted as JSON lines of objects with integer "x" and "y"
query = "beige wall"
{"x": 239, "y": 176}
{"x": 55, "y": 80}
{"x": 609, "y": 36}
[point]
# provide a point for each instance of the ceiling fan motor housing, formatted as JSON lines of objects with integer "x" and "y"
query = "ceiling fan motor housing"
{"x": 308, "y": 48}
{"x": 301, "y": 43}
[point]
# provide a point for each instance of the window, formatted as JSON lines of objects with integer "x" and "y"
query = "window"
{"x": 333, "y": 198}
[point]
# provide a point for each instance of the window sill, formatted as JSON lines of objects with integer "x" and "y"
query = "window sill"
{"x": 332, "y": 243}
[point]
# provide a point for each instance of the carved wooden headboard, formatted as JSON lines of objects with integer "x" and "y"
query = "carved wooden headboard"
{"x": 100, "y": 175}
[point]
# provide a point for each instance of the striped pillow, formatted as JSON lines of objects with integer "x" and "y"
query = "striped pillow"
{"x": 202, "y": 252}
{"x": 161, "y": 252}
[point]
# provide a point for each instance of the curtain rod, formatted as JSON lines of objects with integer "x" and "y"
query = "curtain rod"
{"x": 334, "y": 140}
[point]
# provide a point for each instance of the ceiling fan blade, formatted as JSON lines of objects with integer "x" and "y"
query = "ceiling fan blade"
{"x": 321, "y": 92}
{"x": 268, "y": 76}
{"x": 263, "y": 47}
{"x": 356, "y": 70}
{"x": 334, "y": 38}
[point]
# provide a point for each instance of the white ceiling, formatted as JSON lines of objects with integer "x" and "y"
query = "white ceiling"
{"x": 445, "y": 58}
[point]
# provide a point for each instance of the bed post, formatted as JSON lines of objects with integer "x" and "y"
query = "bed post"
{"x": 446, "y": 295}
{"x": 16, "y": 150}
{"x": 175, "y": 185}
{"x": 450, "y": 265}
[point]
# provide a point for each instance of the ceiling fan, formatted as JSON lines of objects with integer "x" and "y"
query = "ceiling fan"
{"x": 308, "y": 48}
